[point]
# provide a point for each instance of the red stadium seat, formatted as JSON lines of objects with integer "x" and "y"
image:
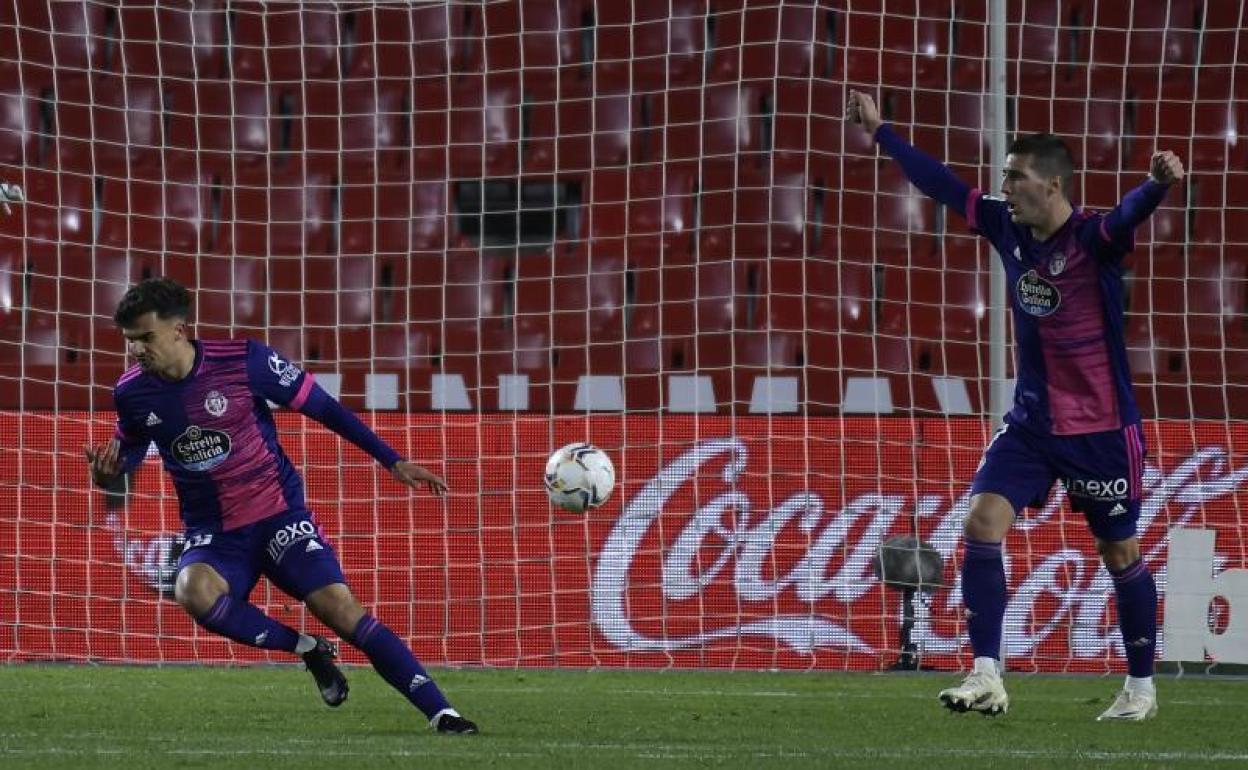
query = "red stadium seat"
{"x": 373, "y": 129}
{"x": 174, "y": 42}
{"x": 484, "y": 124}
{"x": 276, "y": 43}
{"x": 19, "y": 125}
{"x": 661, "y": 42}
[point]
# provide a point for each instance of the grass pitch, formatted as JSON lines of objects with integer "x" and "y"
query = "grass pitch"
{"x": 124, "y": 717}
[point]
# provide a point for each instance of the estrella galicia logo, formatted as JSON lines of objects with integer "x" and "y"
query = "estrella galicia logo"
{"x": 199, "y": 449}
{"x": 286, "y": 372}
{"x": 1037, "y": 296}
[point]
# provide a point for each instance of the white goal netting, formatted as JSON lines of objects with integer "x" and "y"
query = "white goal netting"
{"x": 495, "y": 228}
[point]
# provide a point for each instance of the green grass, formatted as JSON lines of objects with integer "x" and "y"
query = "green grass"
{"x": 122, "y": 717}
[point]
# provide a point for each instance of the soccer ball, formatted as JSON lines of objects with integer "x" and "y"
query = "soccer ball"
{"x": 579, "y": 477}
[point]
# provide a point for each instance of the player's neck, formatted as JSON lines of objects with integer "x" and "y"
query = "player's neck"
{"x": 182, "y": 366}
{"x": 1058, "y": 216}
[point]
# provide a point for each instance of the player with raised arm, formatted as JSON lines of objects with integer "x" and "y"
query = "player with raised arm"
{"x": 205, "y": 405}
{"x": 1074, "y": 417}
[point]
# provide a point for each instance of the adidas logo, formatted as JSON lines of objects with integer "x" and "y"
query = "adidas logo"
{"x": 1117, "y": 509}
{"x": 152, "y": 419}
{"x": 313, "y": 546}
{"x": 260, "y": 637}
{"x": 417, "y": 681}
{"x": 1143, "y": 641}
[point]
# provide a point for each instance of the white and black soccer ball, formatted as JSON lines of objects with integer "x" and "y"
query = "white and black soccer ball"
{"x": 579, "y": 477}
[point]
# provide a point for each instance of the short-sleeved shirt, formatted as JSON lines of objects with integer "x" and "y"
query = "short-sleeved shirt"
{"x": 216, "y": 433}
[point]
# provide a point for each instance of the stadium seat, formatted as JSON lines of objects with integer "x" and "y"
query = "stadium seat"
{"x": 19, "y": 126}
{"x": 227, "y": 123}
{"x": 231, "y": 293}
{"x": 767, "y": 349}
{"x": 276, "y": 43}
{"x": 78, "y": 34}
{"x": 291, "y": 217}
{"x": 484, "y": 125}
{"x": 374, "y": 128}
{"x": 174, "y": 42}
{"x": 125, "y": 115}
{"x": 730, "y": 124}
{"x": 60, "y": 206}
{"x": 667, "y": 43}
{"x": 151, "y": 217}
{"x": 587, "y": 297}
{"x": 660, "y": 203}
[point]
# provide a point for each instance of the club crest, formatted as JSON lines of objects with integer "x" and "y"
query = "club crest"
{"x": 216, "y": 403}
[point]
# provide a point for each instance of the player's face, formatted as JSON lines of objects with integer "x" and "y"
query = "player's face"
{"x": 1028, "y": 194}
{"x": 156, "y": 343}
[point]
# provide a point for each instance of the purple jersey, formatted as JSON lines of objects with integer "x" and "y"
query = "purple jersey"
{"x": 1066, "y": 298}
{"x": 215, "y": 432}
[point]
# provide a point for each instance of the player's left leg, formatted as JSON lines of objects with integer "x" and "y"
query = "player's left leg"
{"x": 1136, "y": 593}
{"x": 308, "y": 569}
{"x": 1103, "y": 474}
{"x": 337, "y": 608}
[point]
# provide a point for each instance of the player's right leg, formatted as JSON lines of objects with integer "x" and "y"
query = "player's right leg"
{"x": 1012, "y": 474}
{"x": 215, "y": 576}
{"x": 984, "y": 596}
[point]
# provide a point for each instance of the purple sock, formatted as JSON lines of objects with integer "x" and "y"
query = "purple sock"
{"x": 1137, "y": 616}
{"x": 984, "y": 595}
{"x": 397, "y": 665}
{"x": 245, "y": 623}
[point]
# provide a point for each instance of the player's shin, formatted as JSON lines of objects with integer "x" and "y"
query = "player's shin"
{"x": 984, "y": 596}
{"x": 245, "y": 623}
{"x": 1137, "y": 616}
{"x": 398, "y": 666}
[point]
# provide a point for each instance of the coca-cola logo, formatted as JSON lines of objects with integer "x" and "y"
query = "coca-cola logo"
{"x": 722, "y": 546}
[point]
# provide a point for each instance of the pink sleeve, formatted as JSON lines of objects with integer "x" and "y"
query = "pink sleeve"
{"x": 972, "y": 198}
{"x": 304, "y": 389}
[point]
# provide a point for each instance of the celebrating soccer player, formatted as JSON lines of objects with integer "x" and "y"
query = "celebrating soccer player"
{"x": 1074, "y": 417}
{"x": 204, "y": 404}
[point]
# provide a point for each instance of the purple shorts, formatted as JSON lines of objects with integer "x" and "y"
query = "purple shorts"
{"x": 1103, "y": 474}
{"x": 288, "y": 549}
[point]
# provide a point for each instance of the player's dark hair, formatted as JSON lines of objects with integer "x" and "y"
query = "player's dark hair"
{"x": 1050, "y": 157}
{"x": 163, "y": 296}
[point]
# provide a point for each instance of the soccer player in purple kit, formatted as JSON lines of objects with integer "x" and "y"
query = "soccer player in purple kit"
{"x": 204, "y": 404}
{"x": 1074, "y": 417}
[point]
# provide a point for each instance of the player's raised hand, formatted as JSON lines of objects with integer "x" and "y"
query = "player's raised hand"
{"x": 861, "y": 109}
{"x": 1166, "y": 168}
{"x": 413, "y": 476}
{"x": 105, "y": 461}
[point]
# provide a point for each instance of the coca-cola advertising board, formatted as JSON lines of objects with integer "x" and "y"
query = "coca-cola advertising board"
{"x": 730, "y": 542}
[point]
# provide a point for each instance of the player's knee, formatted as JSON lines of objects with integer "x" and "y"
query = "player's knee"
{"x": 196, "y": 590}
{"x": 989, "y": 519}
{"x": 1119, "y": 554}
{"x": 335, "y": 606}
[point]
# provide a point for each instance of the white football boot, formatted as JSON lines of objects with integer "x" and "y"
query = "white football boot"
{"x": 982, "y": 691}
{"x": 1136, "y": 702}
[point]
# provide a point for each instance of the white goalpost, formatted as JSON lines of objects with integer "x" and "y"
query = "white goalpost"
{"x": 496, "y": 228}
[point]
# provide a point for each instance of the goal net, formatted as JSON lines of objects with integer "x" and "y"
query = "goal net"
{"x": 496, "y": 228}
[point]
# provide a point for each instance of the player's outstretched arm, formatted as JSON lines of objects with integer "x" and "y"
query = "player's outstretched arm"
{"x": 414, "y": 476}
{"x": 1164, "y": 169}
{"x": 931, "y": 176}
